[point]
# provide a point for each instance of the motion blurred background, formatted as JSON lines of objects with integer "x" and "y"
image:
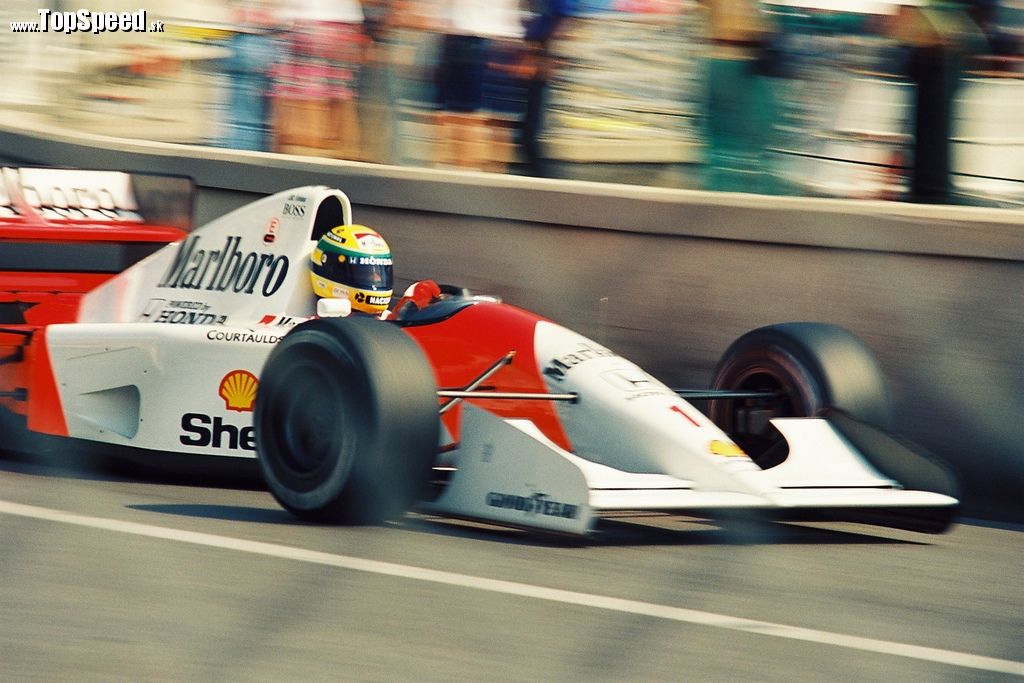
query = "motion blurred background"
{"x": 915, "y": 100}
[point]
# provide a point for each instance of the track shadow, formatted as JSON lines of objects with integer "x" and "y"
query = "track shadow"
{"x": 650, "y": 530}
{"x": 411, "y": 522}
{"x": 230, "y": 513}
{"x": 144, "y": 467}
{"x": 28, "y": 452}
{"x": 483, "y": 531}
{"x": 743, "y": 531}
{"x": 645, "y": 530}
{"x": 662, "y": 530}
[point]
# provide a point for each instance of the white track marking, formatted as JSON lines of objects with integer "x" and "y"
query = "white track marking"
{"x": 679, "y": 614}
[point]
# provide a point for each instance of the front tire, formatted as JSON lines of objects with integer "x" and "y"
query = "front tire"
{"x": 809, "y": 368}
{"x": 346, "y": 421}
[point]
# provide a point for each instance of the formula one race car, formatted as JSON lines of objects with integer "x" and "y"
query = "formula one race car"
{"x": 465, "y": 405}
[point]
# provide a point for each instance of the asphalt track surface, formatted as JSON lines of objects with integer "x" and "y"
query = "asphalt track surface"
{"x": 104, "y": 577}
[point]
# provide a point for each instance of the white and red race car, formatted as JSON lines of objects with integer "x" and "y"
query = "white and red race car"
{"x": 466, "y": 406}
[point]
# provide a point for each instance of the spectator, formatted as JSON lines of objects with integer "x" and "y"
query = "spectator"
{"x": 938, "y": 38}
{"x": 376, "y": 101}
{"x": 740, "y": 101}
{"x": 315, "y": 88}
{"x": 546, "y": 18}
{"x": 411, "y": 41}
{"x": 470, "y": 31}
{"x": 254, "y": 52}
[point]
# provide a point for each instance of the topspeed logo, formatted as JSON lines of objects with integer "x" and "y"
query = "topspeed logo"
{"x": 227, "y": 268}
{"x": 86, "y": 21}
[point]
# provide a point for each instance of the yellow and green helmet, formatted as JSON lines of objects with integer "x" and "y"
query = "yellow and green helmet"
{"x": 353, "y": 262}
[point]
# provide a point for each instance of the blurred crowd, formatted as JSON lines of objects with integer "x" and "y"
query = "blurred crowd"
{"x": 913, "y": 99}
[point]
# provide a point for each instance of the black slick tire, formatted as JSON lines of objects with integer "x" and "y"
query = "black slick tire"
{"x": 346, "y": 421}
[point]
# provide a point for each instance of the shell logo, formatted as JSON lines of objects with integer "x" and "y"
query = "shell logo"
{"x": 238, "y": 389}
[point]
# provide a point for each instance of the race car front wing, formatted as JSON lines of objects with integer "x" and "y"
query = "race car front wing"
{"x": 508, "y": 472}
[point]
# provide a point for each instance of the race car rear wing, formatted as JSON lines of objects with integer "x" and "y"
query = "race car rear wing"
{"x": 53, "y": 204}
{"x": 64, "y": 232}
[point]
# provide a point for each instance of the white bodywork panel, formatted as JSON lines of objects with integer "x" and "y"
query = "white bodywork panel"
{"x": 185, "y": 388}
{"x": 236, "y": 270}
{"x": 156, "y": 349}
{"x": 805, "y": 466}
{"x": 630, "y": 421}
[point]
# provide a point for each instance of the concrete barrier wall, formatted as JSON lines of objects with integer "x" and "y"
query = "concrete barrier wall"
{"x": 670, "y": 277}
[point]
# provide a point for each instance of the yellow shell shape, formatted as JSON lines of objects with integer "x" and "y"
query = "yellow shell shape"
{"x": 726, "y": 448}
{"x": 238, "y": 389}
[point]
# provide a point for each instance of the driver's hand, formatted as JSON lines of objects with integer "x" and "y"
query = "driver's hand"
{"x": 417, "y": 295}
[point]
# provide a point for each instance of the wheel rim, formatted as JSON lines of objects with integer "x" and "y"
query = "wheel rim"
{"x": 308, "y": 438}
{"x": 750, "y": 417}
{"x": 748, "y": 420}
{"x": 311, "y": 440}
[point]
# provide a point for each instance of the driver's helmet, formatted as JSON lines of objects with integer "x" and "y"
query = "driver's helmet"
{"x": 353, "y": 262}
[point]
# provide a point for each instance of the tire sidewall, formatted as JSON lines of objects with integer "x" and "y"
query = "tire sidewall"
{"x": 818, "y": 367}
{"x": 385, "y": 439}
{"x": 806, "y": 390}
{"x": 316, "y": 489}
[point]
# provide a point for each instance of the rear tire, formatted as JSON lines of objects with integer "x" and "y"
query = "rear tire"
{"x": 812, "y": 368}
{"x": 346, "y": 421}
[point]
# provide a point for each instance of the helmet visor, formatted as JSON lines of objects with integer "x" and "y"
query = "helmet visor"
{"x": 362, "y": 272}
